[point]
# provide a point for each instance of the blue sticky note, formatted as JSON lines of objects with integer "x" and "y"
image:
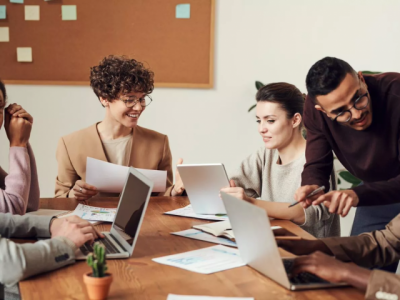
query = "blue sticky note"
{"x": 182, "y": 11}
{"x": 3, "y": 12}
{"x": 16, "y": 1}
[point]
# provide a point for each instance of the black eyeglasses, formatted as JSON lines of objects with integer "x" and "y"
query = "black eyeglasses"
{"x": 132, "y": 101}
{"x": 360, "y": 103}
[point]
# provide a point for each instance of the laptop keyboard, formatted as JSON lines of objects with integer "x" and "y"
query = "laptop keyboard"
{"x": 301, "y": 278}
{"x": 109, "y": 246}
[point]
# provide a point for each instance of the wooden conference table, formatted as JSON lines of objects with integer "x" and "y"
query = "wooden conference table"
{"x": 140, "y": 278}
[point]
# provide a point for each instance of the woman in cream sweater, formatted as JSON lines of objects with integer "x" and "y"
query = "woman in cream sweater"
{"x": 270, "y": 177}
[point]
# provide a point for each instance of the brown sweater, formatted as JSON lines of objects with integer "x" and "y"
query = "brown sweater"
{"x": 371, "y": 155}
{"x": 374, "y": 249}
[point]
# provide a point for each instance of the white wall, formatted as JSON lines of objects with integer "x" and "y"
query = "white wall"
{"x": 255, "y": 40}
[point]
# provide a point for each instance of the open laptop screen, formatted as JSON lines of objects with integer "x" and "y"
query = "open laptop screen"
{"x": 130, "y": 210}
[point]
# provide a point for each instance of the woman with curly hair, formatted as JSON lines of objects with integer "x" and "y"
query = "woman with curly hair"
{"x": 123, "y": 86}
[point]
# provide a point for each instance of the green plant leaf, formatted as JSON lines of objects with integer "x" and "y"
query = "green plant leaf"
{"x": 339, "y": 181}
{"x": 347, "y": 176}
{"x": 259, "y": 85}
{"x": 252, "y": 107}
{"x": 370, "y": 72}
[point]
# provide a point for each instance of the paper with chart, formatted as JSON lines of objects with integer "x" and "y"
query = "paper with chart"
{"x": 110, "y": 178}
{"x": 92, "y": 213}
{"x": 203, "y": 236}
{"x": 205, "y": 261}
{"x": 188, "y": 212}
{"x": 185, "y": 297}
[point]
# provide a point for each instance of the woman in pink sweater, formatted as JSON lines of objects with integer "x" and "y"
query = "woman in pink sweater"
{"x": 19, "y": 190}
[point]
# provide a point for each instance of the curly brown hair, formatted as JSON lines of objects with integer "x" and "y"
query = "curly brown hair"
{"x": 116, "y": 75}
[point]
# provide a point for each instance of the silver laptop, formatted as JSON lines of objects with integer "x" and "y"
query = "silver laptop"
{"x": 258, "y": 249}
{"x": 203, "y": 183}
{"x": 121, "y": 240}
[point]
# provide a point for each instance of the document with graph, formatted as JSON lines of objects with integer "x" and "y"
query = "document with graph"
{"x": 205, "y": 261}
{"x": 92, "y": 213}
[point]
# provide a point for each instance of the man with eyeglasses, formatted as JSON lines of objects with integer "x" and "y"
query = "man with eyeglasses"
{"x": 358, "y": 118}
{"x": 122, "y": 86}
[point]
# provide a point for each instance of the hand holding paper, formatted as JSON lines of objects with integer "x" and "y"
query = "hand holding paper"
{"x": 110, "y": 178}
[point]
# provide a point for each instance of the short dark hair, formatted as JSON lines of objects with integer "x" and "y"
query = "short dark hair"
{"x": 326, "y": 75}
{"x": 3, "y": 90}
{"x": 120, "y": 74}
{"x": 285, "y": 94}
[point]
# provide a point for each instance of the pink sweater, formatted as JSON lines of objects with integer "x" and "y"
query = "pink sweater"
{"x": 19, "y": 191}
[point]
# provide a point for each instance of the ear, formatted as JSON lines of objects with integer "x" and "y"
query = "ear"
{"x": 319, "y": 108}
{"x": 296, "y": 120}
{"x": 361, "y": 76}
{"x": 104, "y": 102}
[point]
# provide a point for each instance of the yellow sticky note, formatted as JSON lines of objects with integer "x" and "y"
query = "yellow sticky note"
{"x": 24, "y": 54}
{"x": 4, "y": 34}
{"x": 32, "y": 13}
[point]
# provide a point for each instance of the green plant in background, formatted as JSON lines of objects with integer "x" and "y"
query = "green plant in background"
{"x": 259, "y": 85}
{"x": 97, "y": 260}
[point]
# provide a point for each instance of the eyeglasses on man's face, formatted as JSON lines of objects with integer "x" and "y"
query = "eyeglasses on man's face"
{"x": 132, "y": 101}
{"x": 360, "y": 103}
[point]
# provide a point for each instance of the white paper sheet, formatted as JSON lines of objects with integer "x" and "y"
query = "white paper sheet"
{"x": 92, "y": 213}
{"x": 203, "y": 236}
{"x": 205, "y": 261}
{"x": 185, "y": 297}
{"x": 188, "y": 212}
{"x": 110, "y": 178}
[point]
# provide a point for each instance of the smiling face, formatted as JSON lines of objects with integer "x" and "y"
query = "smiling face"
{"x": 120, "y": 113}
{"x": 276, "y": 129}
{"x": 344, "y": 97}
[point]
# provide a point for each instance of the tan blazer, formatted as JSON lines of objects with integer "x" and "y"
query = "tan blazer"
{"x": 150, "y": 150}
{"x": 375, "y": 249}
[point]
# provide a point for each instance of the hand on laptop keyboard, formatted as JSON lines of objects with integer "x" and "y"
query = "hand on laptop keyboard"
{"x": 110, "y": 248}
{"x": 320, "y": 265}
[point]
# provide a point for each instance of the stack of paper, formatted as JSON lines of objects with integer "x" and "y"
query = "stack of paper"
{"x": 217, "y": 233}
{"x": 188, "y": 212}
{"x": 202, "y": 236}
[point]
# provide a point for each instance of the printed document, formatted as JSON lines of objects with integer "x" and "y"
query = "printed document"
{"x": 110, "y": 178}
{"x": 92, "y": 213}
{"x": 205, "y": 261}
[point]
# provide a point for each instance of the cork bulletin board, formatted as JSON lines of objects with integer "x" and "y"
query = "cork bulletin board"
{"x": 180, "y": 51}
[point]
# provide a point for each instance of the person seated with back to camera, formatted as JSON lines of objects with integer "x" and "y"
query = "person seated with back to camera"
{"x": 123, "y": 87}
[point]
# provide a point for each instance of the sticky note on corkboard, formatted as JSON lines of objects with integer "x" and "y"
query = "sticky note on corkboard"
{"x": 24, "y": 54}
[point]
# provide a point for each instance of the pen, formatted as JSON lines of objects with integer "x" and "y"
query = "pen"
{"x": 321, "y": 188}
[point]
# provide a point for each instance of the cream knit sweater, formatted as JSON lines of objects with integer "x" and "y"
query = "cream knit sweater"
{"x": 262, "y": 177}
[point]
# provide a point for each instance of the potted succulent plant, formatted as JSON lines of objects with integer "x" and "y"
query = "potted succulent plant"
{"x": 98, "y": 281}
